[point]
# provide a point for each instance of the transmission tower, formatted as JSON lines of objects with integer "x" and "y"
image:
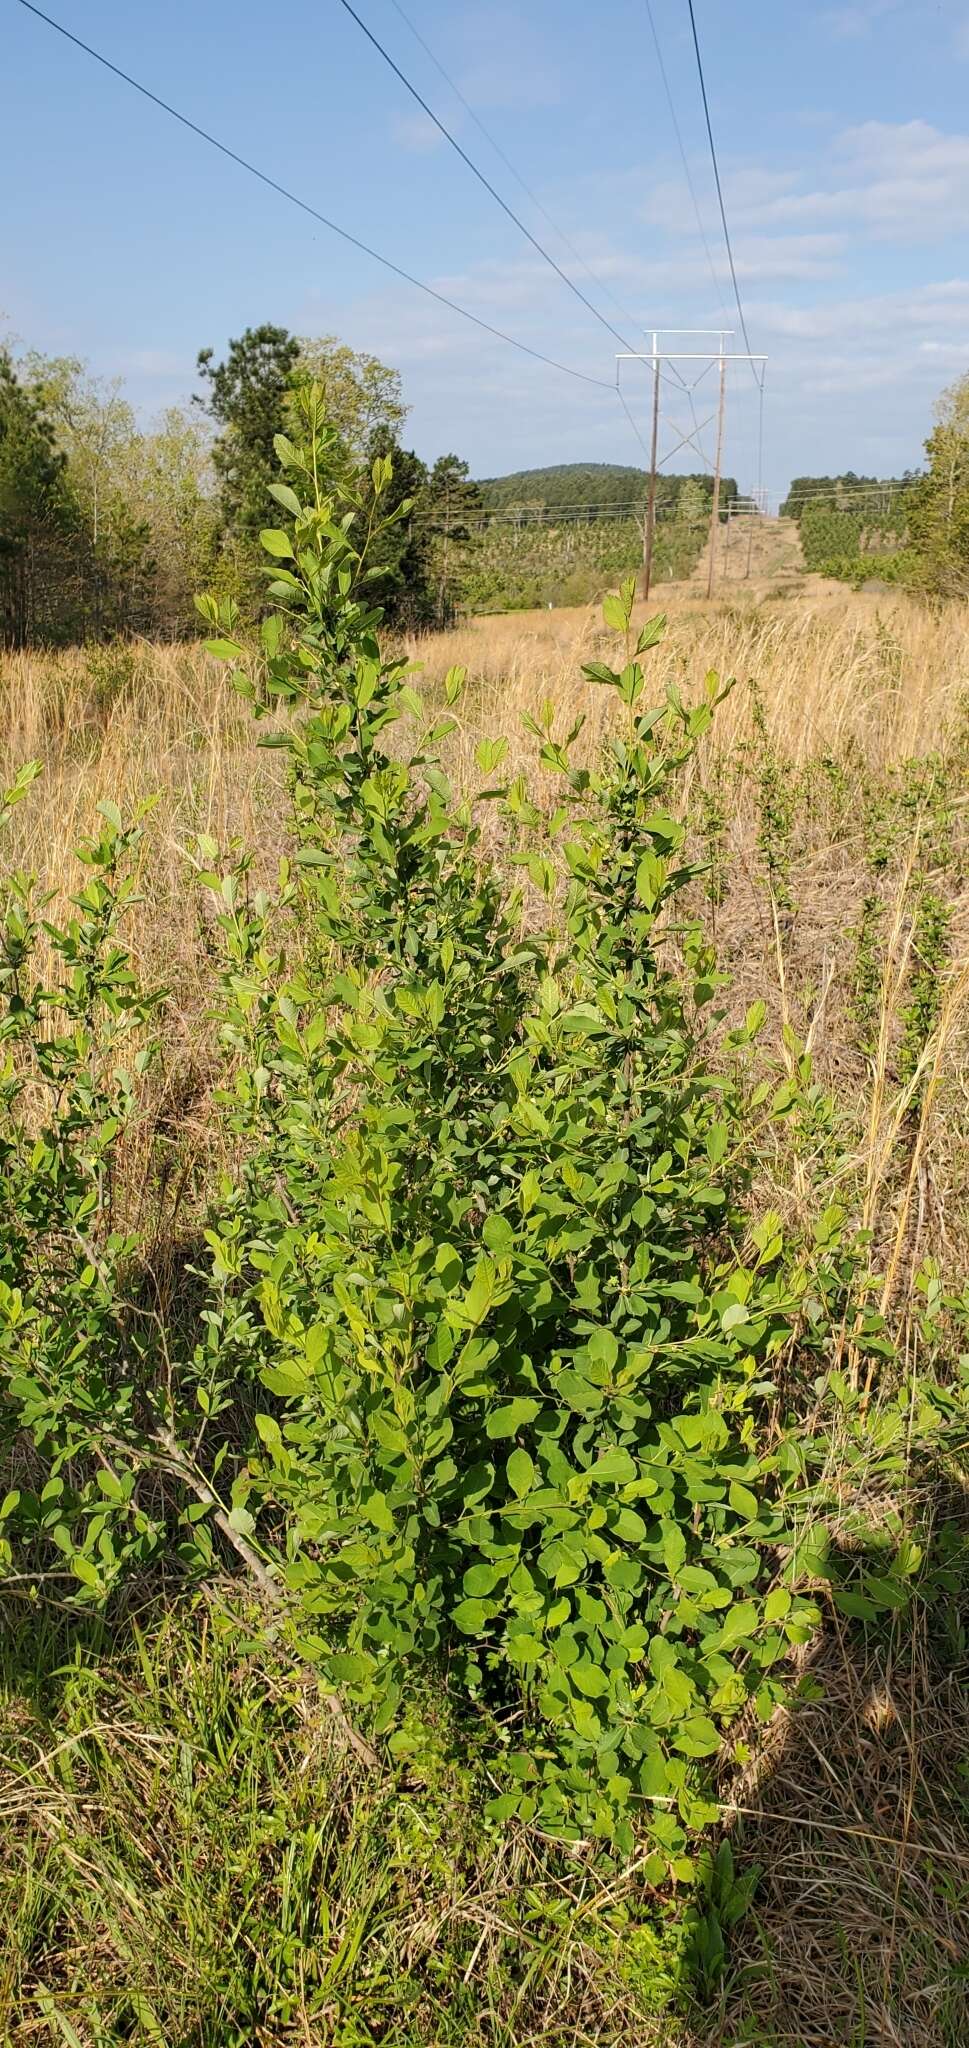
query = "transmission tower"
{"x": 664, "y": 362}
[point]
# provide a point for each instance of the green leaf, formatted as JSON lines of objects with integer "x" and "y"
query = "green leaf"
{"x": 739, "y": 1622}
{"x": 651, "y": 633}
{"x": 524, "y": 1649}
{"x": 375, "y": 1506}
{"x": 590, "y": 1679}
{"x": 887, "y": 1592}
{"x": 286, "y": 498}
{"x": 578, "y": 1393}
{"x": 276, "y": 543}
{"x": 504, "y": 1807}
{"x": 520, "y": 1473}
{"x": 346, "y": 1667}
{"x": 673, "y": 1544}
{"x": 717, "y": 1139}
{"x": 509, "y": 1420}
{"x": 697, "y": 1736}
{"x": 480, "y": 1580}
{"x": 285, "y": 1379}
{"x": 471, "y": 1616}
{"x": 650, "y": 879}
{"x": 223, "y": 650}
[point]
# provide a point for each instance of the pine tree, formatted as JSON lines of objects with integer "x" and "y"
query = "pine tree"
{"x": 454, "y": 502}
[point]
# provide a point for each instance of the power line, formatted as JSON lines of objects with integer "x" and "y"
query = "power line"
{"x": 850, "y": 493}
{"x": 511, "y": 168}
{"x": 568, "y": 281}
{"x": 243, "y": 163}
{"x": 622, "y": 516}
{"x": 643, "y": 444}
{"x": 683, "y": 157}
{"x": 716, "y": 173}
{"x": 839, "y": 487}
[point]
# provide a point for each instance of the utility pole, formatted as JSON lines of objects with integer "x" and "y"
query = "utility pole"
{"x": 717, "y": 467}
{"x": 689, "y": 380}
{"x": 649, "y": 528}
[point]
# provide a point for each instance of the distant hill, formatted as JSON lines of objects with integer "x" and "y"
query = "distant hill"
{"x": 592, "y": 490}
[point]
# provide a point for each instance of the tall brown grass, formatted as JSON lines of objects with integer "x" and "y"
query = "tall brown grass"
{"x": 863, "y": 681}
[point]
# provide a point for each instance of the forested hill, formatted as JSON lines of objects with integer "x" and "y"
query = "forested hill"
{"x": 590, "y": 488}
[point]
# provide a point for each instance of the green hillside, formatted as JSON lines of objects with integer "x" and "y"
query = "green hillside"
{"x": 590, "y": 489}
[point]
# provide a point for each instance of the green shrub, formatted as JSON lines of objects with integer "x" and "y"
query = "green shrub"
{"x": 487, "y": 1244}
{"x": 858, "y": 569}
{"x": 73, "y": 1048}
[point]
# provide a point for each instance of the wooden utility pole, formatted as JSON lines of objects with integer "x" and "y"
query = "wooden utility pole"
{"x": 718, "y": 464}
{"x": 649, "y": 524}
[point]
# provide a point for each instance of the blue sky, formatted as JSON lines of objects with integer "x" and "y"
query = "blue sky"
{"x": 844, "y": 141}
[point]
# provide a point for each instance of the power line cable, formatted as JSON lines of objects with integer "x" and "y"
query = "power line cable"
{"x": 716, "y": 174}
{"x": 545, "y": 254}
{"x": 845, "y": 498}
{"x": 683, "y": 156}
{"x": 644, "y": 446}
{"x": 453, "y": 306}
{"x": 540, "y": 207}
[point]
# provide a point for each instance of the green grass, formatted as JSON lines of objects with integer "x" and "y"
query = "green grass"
{"x": 185, "y": 1858}
{"x": 188, "y": 1858}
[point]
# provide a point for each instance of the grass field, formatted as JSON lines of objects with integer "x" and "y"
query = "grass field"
{"x": 185, "y": 1856}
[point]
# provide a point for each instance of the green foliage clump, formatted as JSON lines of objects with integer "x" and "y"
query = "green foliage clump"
{"x": 486, "y": 1241}
{"x": 37, "y": 513}
{"x": 939, "y": 522}
{"x": 70, "y": 1358}
{"x": 852, "y": 528}
{"x": 902, "y": 568}
{"x": 828, "y": 534}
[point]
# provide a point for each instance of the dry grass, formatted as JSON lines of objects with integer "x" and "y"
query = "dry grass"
{"x": 840, "y": 670}
{"x": 861, "y": 682}
{"x": 870, "y": 680}
{"x": 858, "y": 1818}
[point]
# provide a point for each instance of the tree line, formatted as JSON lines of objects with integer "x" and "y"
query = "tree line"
{"x": 911, "y": 529}
{"x": 106, "y": 527}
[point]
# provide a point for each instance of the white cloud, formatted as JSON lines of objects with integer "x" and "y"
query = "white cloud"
{"x": 902, "y": 181}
